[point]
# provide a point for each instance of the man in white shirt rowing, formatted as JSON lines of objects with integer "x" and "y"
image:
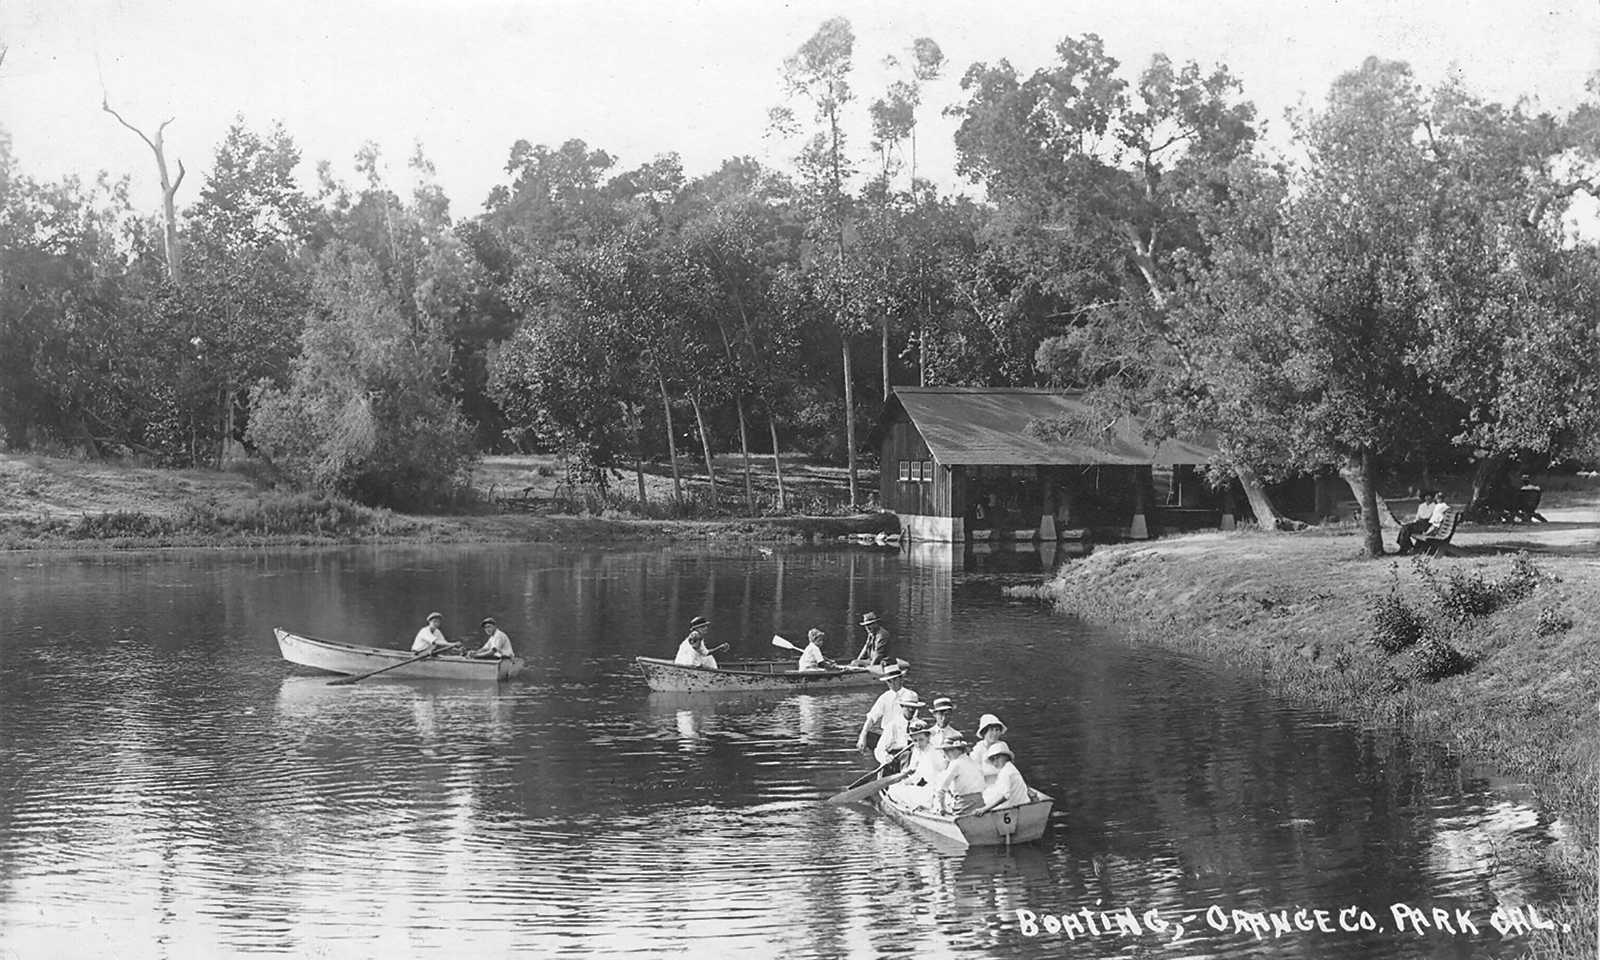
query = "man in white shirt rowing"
{"x": 896, "y": 736}
{"x": 430, "y": 639}
{"x": 886, "y": 704}
{"x": 498, "y": 645}
{"x": 959, "y": 789}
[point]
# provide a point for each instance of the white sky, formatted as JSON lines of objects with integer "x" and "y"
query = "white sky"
{"x": 637, "y": 78}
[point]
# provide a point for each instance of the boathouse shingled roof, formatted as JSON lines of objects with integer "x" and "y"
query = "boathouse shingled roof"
{"x": 989, "y": 425}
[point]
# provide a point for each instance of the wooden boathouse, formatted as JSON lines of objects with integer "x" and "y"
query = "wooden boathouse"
{"x": 958, "y": 463}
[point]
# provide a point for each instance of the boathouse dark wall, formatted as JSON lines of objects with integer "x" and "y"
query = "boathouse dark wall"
{"x": 985, "y": 467}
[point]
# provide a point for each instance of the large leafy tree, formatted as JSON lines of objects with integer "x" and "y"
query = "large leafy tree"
{"x": 247, "y": 278}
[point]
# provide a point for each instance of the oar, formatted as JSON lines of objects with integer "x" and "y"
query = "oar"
{"x": 342, "y": 681}
{"x": 867, "y": 790}
{"x": 778, "y": 641}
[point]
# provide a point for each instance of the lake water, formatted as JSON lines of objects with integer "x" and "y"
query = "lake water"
{"x": 170, "y": 787}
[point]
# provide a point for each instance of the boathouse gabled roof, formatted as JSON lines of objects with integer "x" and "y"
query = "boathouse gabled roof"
{"x": 989, "y": 425}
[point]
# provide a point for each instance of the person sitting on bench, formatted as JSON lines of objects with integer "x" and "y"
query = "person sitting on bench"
{"x": 1430, "y": 513}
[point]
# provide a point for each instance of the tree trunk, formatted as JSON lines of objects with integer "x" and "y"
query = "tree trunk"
{"x": 1260, "y": 504}
{"x": 849, "y": 416}
{"x": 744, "y": 449}
{"x": 672, "y": 442}
{"x": 705, "y": 445}
{"x": 1357, "y": 472}
{"x": 638, "y": 447}
{"x": 886, "y": 355}
{"x": 169, "y": 189}
{"x": 777, "y": 464}
{"x": 1489, "y": 471}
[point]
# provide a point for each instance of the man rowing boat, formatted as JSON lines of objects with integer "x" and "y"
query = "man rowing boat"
{"x": 885, "y": 705}
{"x": 430, "y": 639}
{"x": 896, "y": 735}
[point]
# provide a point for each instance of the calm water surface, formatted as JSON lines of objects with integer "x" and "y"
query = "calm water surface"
{"x": 169, "y": 787}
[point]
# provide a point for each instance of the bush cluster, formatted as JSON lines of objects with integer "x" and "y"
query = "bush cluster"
{"x": 122, "y": 523}
{"x": 1464, "y": 594}
{"x": 1396, "y": 625}
{"x": 1434, "y": 659}
{"x": 1552, "y": 621}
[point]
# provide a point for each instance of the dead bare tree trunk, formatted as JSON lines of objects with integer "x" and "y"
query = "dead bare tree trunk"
{"x": 169, "y": 189}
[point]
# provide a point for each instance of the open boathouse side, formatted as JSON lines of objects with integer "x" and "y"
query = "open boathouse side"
{"x": 963, "y": 463}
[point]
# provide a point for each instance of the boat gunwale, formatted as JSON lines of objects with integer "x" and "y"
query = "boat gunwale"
{"x": 720, "y": 672}
{"x": 506, "y": 668}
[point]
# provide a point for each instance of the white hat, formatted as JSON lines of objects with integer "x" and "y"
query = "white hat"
{"x": 990, "y": 720}
{"x": 892, "y": 672}
{"x": 942, "y": 703}
{"x": 909, "y": 699}
{"x": 997, "y": 748}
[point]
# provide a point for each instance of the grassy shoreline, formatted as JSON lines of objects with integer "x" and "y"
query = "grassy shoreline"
{"x": 59, "y": 504}
{"x": 1298, "y": 611}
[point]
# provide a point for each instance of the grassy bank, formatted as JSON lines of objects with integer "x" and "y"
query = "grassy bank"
{"x": 53, "y": 503}
{"x": 1494, "y": 655}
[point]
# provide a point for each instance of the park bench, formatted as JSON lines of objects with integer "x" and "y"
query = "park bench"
{"x": 1439, "y": 542}
{"x": 1526, "y": 505}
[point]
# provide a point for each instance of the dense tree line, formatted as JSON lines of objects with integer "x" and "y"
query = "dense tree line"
{"x": 1400, "y": 291}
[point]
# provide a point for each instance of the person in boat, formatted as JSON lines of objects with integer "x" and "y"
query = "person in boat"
{"x": 692, "y": 651}
{"x": 896, "y": 737}
{"x": 1008, "y": 788}
{"x": 812, "y": 657}
{"x": 885, "y": 705}
{"x": 959, "y": 789}
{"x": 922, "y": 767}
{"x": 943, "y": 707}
{"x": 498, "y": 645}
{"x": 876, "y": 651}
{"x": 990, "y": 730}
{"x": 430, "y": 639}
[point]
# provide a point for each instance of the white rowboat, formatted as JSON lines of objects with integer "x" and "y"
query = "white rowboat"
{"x": 353, "y": 658}
{"x": 1006, "y": 825}
{"x": 740, "y": 675}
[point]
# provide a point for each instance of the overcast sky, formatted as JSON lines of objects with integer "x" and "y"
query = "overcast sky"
{"x": 638, "y": 78}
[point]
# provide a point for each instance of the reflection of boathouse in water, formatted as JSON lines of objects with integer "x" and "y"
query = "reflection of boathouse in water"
{"x": 962, "y": 463}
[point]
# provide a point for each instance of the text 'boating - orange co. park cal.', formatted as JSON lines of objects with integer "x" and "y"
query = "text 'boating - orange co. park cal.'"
{"x": 1174, "y": 926}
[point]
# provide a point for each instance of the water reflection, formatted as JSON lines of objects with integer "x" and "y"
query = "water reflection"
{"x": 159, "y": 760}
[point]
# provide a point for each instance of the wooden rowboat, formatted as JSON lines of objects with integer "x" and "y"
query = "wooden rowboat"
{"x": 1007, "y": 825}
{"x": 742, "y": 675}
{"x": 353, "y": 658}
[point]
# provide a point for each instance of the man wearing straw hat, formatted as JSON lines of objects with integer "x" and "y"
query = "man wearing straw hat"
{"x": 942, "y": 708}
{"x": 897, "y": 729}
{"x": 884, "y": 706}
{"x": 876, "y": 650}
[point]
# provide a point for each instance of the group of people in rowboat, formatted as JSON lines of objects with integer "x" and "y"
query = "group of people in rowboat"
{"x": 944, "y": 772}
{"x": 693, "y": 652}
{"x": 431, "y": 640}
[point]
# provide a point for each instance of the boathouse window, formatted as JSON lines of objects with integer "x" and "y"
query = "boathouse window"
{"x": 916, "y": 471}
